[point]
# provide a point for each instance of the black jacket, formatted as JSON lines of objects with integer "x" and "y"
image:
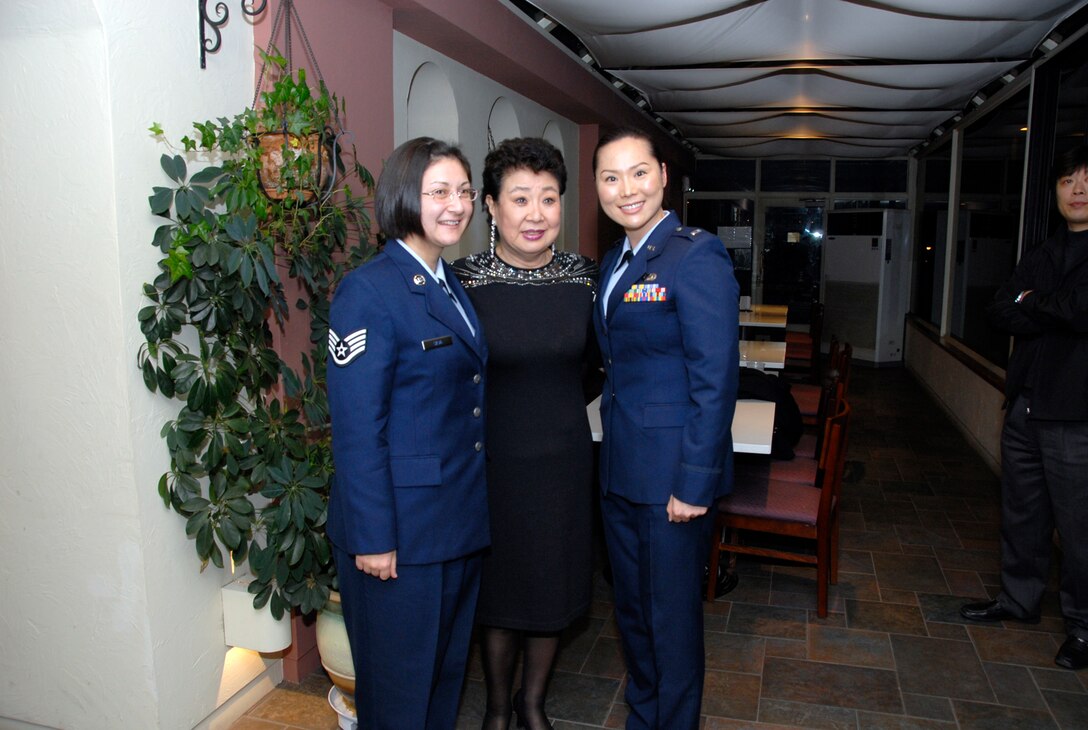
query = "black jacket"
{"x": 1050, "y": 354}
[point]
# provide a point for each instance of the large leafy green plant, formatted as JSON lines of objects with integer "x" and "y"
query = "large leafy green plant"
{"x": 250, "y": 461}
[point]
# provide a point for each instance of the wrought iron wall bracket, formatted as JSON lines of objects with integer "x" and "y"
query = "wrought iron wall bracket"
{"x": 210, "y": 35}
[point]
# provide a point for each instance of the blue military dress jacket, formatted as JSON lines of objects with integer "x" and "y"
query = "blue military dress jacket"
{"x": 406, "y": 395}
{"x": 669, "y": 345}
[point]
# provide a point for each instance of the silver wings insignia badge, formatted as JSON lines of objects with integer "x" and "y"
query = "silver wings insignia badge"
{"x": 346, "y": 349}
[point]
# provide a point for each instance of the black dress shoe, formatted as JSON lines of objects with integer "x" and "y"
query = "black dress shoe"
{"x": 1073, "y": 654}
{"x": 993, "y": 611}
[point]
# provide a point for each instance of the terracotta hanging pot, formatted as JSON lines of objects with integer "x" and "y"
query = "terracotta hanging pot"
{"x": 274, "y": 150}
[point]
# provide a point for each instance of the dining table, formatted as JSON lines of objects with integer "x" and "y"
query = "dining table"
{"x": 762, "y": 354}
{"x": 753, "y": 425}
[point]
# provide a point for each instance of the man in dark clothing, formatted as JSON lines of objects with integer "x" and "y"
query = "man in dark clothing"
{"x": 1044, "y": 443}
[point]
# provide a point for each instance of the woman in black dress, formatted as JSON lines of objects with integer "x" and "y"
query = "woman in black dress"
{"x": 535, "y": 304}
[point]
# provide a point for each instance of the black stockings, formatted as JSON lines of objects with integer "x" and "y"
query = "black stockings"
{"x": 500, "y": 650}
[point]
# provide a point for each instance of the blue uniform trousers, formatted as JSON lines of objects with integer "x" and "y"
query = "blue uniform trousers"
{"x": 409, "y": 641}
{"x": 657, "y": 570}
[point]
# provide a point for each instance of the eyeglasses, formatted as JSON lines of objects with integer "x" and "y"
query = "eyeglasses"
{"x": 445, "y": 194}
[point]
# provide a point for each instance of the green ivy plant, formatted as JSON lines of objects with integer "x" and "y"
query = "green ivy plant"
{"x": 250, "y": 457}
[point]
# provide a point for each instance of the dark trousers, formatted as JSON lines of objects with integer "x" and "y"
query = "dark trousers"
{"x": 657, "y": 570}
{"x": 409, "y": 641}
{"x": 1044, "y": 484}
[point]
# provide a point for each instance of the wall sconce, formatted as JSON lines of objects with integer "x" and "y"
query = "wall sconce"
{"x": 250, "y": 628}
{"x": 210, "y": 44}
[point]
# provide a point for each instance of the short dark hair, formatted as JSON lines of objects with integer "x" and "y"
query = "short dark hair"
{"x": 521, "y": 153}
{"x": 1069, "y": 162}
{"x": 617, "y": 133}
{"x": 400, "y": 186}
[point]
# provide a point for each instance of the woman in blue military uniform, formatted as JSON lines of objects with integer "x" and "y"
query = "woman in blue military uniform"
{"x": 408, "y": 510}
{"x": 666, "y": 321}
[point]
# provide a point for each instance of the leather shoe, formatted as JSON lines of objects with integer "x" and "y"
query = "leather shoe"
{"x": 993, "y": 611}
{"x": 1073, "y": 654}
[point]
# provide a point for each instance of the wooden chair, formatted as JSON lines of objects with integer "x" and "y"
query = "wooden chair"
{"x": 810, "y": 454}
{"x": 809, "y": 396}
{"x": 791, "y": 510}
{"x": 803, "y": 357}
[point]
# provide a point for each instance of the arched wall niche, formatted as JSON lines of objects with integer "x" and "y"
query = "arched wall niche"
{"x": 568, "y": 236}
{"x": 432, "y": 105}
{"x": 502, "y": 122}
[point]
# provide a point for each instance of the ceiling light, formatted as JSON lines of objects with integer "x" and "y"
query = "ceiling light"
{"x": 546, "y": 23}
{"x": 978, "y": 99}
{"x": 1048, "y": 45}
{"x": 1023, "y": 129}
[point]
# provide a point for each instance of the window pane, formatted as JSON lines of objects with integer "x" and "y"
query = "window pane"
{"x": 993, "y": 171}
{"x": 929, "y": 241}
{"x": 731, "y": 221}
{"x": 725, "y": 175}
{"x": 858, "y": 176}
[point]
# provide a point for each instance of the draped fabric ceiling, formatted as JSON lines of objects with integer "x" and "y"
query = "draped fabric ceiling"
{"x": 808, "y": 78}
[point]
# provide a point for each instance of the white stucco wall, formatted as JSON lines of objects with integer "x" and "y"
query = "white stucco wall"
{"x": 106, "y": 621}
{"x": 475, "y": 97}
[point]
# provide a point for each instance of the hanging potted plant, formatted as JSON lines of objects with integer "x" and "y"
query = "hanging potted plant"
{"x": 250, "y": 457}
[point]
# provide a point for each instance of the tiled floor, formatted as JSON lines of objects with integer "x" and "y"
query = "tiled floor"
{"x": 919, "y": 537}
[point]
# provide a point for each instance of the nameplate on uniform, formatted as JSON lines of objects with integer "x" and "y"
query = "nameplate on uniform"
{"x": 435, "y": 342}
{"x": 646, "y": 293}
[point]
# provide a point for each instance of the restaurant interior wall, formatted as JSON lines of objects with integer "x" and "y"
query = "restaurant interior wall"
{"x": 477, "y": 105}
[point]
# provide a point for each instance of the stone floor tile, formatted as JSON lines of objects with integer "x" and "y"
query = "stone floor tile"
{"x": 979, "y": 560}
{"x": 914, "y": 573}
{"x": 783, "y": 623}
{"x": 580, "y": 698}
{"x": 935, "y": 537}
{"x": 927, "y": 706}
{"x": 1060, "y": 679}
{"x": 876, "y": 721}
{"x": 577, "y": 641}
{"x": 856, "y": 561}
{"x": 605, "y": 659}
{"x": 892, "y": 595}
{"x": 1013, "y": 685}
{"x": 788, "y": 648}
{"x": 882, "y": 541}
{"x": 735, "y": 653}
{"x": 965, "y": 583}
{"x": 979, "y": 716}
{"x": 1009, "y": 646}
{"x": 1070, "y": 709}
{"x": 799, "y": 714}
{"x": 941, "y": 668}
{"x": 297, "y": 710}
{"x": 729, "y": 694}
{"x": 893, "y": 618}
{"x": 831, "y": 684}
{"x": 850, "y": 646}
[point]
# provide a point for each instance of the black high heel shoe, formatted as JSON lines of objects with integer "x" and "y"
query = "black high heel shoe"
{"x": 522, "y": 715}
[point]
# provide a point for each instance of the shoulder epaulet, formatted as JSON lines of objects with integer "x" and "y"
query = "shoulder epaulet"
{"x": 693, "y": 233}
